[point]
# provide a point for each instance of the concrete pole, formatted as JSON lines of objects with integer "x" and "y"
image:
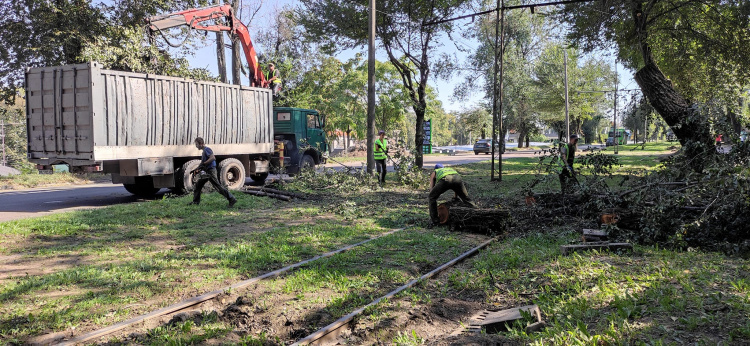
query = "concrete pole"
{"x": 567, "y": 117}
{"x": 371, "y": 92}
{"x": 2, "y": 134}
{"x": 617, "y": 85}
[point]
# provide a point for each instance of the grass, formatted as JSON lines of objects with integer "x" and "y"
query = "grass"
{"x": 90, "y": 269}
{"x": 25, "y": 181}
{"x": 650, "y": 296}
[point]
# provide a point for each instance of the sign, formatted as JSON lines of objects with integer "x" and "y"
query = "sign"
{"x": 427, "y": 142}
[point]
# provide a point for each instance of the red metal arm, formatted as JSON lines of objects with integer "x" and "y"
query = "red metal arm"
{"x": 194, "y": 19}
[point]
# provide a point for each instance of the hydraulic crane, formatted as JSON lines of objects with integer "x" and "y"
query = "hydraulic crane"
{"x": 195, "y": 18}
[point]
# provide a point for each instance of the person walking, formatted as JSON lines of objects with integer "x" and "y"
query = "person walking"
{"x": 274, "y": 80}
{"x": 380, "y": 154}
{"x": 567, "y": 155}
{"x": 442, "y": 180}
{"x": 207, "y": 169}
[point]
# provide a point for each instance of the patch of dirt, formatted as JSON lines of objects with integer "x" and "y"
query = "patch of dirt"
{"x": 19, "y": 265}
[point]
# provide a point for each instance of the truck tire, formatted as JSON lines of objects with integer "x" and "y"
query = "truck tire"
{"x": 232, "y": 173}
{"x": 143, "y": 187}
{"x": 184, "y": 181}
{"x": 308, "y": 163}
{"x": 259, "y": 177}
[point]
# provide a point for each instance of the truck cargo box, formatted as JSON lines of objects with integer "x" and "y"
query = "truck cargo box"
{"x": 80, "y": 114}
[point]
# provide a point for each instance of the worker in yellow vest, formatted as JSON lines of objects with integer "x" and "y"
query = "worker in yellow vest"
{"x": 274, "y": 80}
{"x": 380, "y": 154}
{"x": 442, "y": 180}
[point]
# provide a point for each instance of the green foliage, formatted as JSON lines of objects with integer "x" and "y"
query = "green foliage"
{"x": 14, "y": 119}
{"x": 411, "y": 46}
{"x": 43, "y": 33}
{"x": 127, "y": 49}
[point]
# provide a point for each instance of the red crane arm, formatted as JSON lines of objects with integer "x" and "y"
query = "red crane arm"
{"x": 194, "y": 18}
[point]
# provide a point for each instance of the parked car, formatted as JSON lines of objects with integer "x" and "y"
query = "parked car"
{"x": 483, "y": 146}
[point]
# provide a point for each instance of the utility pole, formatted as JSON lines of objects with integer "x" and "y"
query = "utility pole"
{"x": 2, "y": 135}
{"x": 617, "y": 86}
{"x": 497, "y": 94}
{"x": 567, "y": 118}
{"x": 371, "y": 92}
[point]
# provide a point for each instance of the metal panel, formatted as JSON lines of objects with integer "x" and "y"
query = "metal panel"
{"x": 84, "y": 112}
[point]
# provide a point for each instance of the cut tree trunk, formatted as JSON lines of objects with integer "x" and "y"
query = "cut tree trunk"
{"x": 482, "y": 221}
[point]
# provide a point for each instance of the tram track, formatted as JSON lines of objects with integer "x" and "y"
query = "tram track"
{"x": 191, "y": 302}
{"x": 327, "y": 334}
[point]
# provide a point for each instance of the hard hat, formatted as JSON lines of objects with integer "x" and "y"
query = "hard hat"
{"x": 439, "y": 165}
{"x": 381, "y": 132}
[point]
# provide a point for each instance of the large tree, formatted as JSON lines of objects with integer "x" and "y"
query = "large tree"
{"x": 410, "y": 45}
{"x": 673, "y": 45}
{"x": 39, "y": 33}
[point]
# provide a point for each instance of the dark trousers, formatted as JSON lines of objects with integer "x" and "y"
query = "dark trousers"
{"x": 449, "y": 182}
{"x": 565, "y": 180}
{"x": 381, "y": 167}
{"x": 275, "y": 88}
{"x": 213, "y": 178}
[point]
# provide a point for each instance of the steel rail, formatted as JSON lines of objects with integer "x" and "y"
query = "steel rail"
{"x": 210, "y": 295}
{"x": 343, "y": 321}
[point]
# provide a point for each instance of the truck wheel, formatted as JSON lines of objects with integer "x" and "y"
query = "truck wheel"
{"x": 183, "y": 180}
{"x": 143, "y": 187}
{"x": 476, "y": 153}
{"x": 307, "y": 163}
{"x": 232, "y": 173}
{"x": 259, "y": 177}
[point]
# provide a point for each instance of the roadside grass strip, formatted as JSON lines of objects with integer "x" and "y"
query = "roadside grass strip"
{"x": 288, "y": 308}
{"x": 87, "y": 269}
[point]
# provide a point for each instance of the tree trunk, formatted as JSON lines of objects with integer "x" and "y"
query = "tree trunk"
{"x": 521, "y": 135}
{"x": 220, "y": 58}
{"x": 689, "y": 126}
{"x": 527, "y": 140}
{"x": 236, "y": 49}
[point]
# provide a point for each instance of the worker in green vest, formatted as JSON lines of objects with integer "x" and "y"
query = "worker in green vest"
{"x": 274, "y": 80}
{"x": 567, "y": 156}
{"x": 380, "y": 154}
{"x": 442, "y": 180}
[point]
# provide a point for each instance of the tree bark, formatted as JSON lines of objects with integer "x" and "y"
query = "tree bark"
{"x": 221, "y": 60}
{"x": 689, "y": 126}
{"x": 236, "y": 49}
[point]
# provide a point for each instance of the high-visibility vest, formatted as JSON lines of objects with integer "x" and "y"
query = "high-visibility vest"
{"x": 568, "y": 159}
{"x": 441, "y": 173}
{"x": 275, "y": 73}
{"x": 380, "y": 147}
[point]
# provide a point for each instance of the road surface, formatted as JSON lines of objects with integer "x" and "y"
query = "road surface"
{"x": 19, "y": 204}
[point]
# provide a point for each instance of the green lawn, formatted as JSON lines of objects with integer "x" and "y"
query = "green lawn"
{"x": 90, "y": 269}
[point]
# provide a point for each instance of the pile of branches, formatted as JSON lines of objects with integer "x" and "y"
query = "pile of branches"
{"x": 679, "y": 207}
{"x": 673, "y": 206}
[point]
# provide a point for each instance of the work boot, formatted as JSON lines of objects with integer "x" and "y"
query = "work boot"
{"x": 194, "y": 203}
{"x": 232, "y": 203}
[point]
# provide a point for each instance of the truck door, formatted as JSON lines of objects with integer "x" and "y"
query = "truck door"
{"x": 315, "y": 136}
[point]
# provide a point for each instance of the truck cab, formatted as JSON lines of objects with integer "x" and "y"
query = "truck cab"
{"x": 299, "y": 138}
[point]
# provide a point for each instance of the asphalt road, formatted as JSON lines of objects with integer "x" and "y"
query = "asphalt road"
{"x": 19, "y": 204}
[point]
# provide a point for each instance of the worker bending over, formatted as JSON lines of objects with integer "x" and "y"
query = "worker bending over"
{"x": 442, "y": 180}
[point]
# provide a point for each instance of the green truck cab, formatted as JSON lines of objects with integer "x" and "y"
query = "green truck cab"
{"x": 300, "y": 132}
